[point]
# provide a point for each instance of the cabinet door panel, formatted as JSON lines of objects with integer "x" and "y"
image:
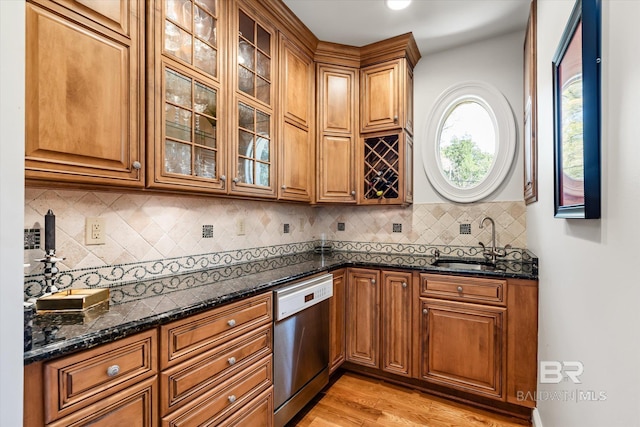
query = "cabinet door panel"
{"x": 297, "y": 79}
{"x": 82, "y": 104}
{"x": 396, "y": 322}
{"x": 336, "y": 169}
{"x": 296, "y": 164}
{"x": 379, "y": 107}
{"x": 462, "y": 346}
{"x": 338, "y": 87}
{"x": 337, "y": 322}
{"x": 363, "y": 332}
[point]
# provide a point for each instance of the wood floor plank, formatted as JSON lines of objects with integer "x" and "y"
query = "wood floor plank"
{"x": 357, "y": 401}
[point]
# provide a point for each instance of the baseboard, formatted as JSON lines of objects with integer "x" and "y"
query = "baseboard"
{"x": 537, "y": 421}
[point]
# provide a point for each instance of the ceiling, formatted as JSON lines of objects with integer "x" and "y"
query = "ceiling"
{"x": 436, "y": 24}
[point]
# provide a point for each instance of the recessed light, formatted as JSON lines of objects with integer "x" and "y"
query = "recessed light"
{"x": 397, "y": 4}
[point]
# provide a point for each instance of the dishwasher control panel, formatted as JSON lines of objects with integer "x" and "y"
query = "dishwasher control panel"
{"x": 298, "y": 296}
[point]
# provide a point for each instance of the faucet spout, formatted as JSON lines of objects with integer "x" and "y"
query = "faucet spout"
{"x": 491, "y": 253}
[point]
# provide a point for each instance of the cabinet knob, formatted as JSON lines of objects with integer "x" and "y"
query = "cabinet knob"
{"x": 236, "y": 180}
{"x": 373, "y": 281}
{"x": 113, "y": 370}
{"x": 353, "y": 193}
{"x": 404, "y": 284}
{"x": 231, "y": 360}
{"x": 459, "y": 288}
{"x": 223, "y": 178}
{"x": 395, "y": 119}
{"x": 137, "y": 165}
{"x": 231, "y": 323}
{"x": 232, "y": 398}
{"x": 284, "y": 187}
{"x": 425, "y": 311}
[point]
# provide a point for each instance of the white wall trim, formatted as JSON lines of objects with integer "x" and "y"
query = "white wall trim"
{"x": 537, "y": 421}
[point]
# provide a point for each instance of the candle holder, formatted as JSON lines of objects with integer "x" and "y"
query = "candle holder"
{"x": 50, "y": 271}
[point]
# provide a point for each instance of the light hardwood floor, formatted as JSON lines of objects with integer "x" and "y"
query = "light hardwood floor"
{"x": 355, "y": 400}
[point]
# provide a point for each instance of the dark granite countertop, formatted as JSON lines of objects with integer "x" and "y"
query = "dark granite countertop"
{"x": 135, "y": 307}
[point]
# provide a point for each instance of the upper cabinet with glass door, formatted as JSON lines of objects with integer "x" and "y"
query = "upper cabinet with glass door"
{"x": 253, "y": 61}
{"x": 188, "y": 148}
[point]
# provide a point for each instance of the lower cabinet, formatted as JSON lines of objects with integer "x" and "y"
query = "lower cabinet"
{"x": 212, "y": 368}
{"x": 379, "y": 319}
{"x": 215, "y": 363}
{"x": 470, "y": 338}
{"x": 462, "y": 346}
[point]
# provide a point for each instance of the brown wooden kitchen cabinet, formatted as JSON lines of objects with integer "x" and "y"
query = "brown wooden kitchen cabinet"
{"x": 363, "y": 317}
{"x": 337, "y": 108}
{"x": 252, "y": 66}
{"x": 396, "y": 319}
{"x": 84, "y": 92}
{"x": 214, "y": 363}
{"x": 337, "y": 307}
{"x": 379, "y": 319}
{"x": 462, "y": 346}
{"x": 185, "y": 124}
{"x": 386, "y": 101}
{"x": 109, "y": 383}
{"x": 296, "y": 149}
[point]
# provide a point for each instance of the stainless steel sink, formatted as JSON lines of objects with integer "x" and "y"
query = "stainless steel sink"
{"x": 465, "y": 264}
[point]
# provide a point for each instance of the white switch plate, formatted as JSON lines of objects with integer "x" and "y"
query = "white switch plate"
{"x": 241, "y": 227}
{"x": 95, "y": 231}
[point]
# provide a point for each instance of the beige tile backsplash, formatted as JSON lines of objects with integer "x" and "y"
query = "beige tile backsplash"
{"x": 146, "y": 227}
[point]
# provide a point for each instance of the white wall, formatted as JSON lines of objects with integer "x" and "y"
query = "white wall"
{"x": 11, "y": 209}
{"x": 497, "y": 61}
{"x": 589, "y": 282}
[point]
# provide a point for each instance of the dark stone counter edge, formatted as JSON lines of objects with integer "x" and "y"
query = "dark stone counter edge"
{"x": 90, "y": 340}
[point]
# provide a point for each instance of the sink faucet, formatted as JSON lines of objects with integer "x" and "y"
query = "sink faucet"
{"x": 492, "y": 253}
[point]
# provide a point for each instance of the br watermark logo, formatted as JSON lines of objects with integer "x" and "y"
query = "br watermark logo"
{"x": 555, "y": 372}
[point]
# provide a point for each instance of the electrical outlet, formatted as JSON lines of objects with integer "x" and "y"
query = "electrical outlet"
{"x": 241, "y": 227}
{"x": 95, "y": 231}
{"x": 341, "y": 226}
{"x": 207, "y": 231}
{"x": 465, "y": 228}
{"x": 396, "y": 228}
{"x": 286, "y": 228}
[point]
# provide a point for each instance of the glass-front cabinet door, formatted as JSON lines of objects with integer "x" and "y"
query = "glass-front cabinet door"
{"x": 253, "y": 153}
{"x": 189, "y": 149}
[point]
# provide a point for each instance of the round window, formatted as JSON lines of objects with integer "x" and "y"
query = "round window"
{"x": 471, "y": 140}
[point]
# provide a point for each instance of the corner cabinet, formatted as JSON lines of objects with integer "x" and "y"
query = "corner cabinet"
{"x": 186, "y": 127}
{"x": 337, "y": 88}
{"x": 84, "y": 92}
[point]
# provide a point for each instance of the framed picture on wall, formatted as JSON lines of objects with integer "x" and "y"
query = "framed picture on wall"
{"x": 576, "y": 98}
{"x": 530, "y": 124}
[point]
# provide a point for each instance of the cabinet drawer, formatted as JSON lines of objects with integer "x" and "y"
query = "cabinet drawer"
{"x": 135, "y": 406}
{"x": 213, "y": 406}
{"x": 463, "y": 288}
{"x": 185, "y": 339}
{"x": 182, "y": 383}
{"x": 257, "y": 413}
{"x": 79, "y": 380}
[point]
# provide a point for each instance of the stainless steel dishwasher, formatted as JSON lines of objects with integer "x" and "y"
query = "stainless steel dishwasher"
{"x": 300, "y": 344}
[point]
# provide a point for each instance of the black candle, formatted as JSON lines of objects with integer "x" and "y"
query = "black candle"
{"x": 49, "y": 232}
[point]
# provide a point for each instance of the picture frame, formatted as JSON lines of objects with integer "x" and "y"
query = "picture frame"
{"x": 530, "y": 108}
{"x": 576, "y": 101}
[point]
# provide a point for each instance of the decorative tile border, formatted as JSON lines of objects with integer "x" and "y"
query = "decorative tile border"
{"x": 140, "y": 278}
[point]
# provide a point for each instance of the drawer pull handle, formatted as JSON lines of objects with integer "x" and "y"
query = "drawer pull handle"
{"x": 459, "y": 288}
{"x": 231, "y": 323}
{"x": 113, "y": 370}
{"x": 232, "y": 398}
{"x": 232, "y": 360}
{"x": 404, "y": 284}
